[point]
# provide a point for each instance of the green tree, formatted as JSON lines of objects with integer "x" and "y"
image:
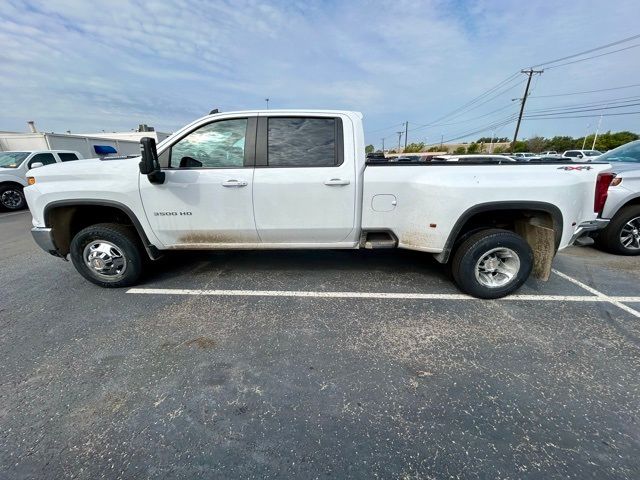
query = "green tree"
{"x": 437, "y": 149}
{"x": 414, "y": 147}
{"x": 460, "y": 150}
{"x": 520, "y": 146}
{"x": 473, "y": 148}
{"x": 562, "y": 143}
{"x": 500, "y": 149}
{"x": 536, "y": 144}
{"x": 369, "y": 149}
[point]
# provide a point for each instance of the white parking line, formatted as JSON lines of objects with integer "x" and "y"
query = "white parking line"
{"x": 389, "y": 295}
{"x": 617, "y": 301}
{"x": 377, "y": 295}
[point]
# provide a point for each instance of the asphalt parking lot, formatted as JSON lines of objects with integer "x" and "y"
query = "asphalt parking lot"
{"x": 347, "y": 364}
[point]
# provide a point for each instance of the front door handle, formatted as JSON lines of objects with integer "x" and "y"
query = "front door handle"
{"x": 234, "y": 183}
{"x": 337, "y": 181}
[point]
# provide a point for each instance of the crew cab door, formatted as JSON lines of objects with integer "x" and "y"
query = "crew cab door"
{"x": 304, "y": 184}
{"x": 206, "y": 199}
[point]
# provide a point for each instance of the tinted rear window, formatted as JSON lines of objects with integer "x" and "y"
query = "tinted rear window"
{"x": 302, "y": 142}
{"x": 67, "y": 157}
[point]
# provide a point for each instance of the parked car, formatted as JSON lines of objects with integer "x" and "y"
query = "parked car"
{"x": 523, "y": 155}
{"x": 582, "y": 155}
{"x": 13, "y": 169}
{"x": 622, "y": 206}
{"x": 298, "y": 179}
{"x": 547, "y": 153}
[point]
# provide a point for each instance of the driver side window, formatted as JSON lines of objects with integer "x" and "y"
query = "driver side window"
{"x": 215, "y": 145}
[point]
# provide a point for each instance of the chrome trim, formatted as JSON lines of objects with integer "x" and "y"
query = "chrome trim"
{"x": 44, "y": 238}
{"x": 587, "y": 227}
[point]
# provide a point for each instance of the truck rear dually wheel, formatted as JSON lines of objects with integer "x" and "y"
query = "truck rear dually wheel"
{"x": 107, "y": 254}
{"x": 492, "y": 263}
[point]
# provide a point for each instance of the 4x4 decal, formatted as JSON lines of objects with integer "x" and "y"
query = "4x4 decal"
{"x": 577, "y": 167}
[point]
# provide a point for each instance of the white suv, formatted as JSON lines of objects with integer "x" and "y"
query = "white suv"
{"x": 13, "y": 169}
{"x": 582, "y": 155}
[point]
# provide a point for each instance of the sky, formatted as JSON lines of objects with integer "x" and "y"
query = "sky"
{"x": 92, "y": 66}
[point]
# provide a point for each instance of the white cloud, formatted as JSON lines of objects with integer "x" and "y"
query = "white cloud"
{"x": 111, "y": 65}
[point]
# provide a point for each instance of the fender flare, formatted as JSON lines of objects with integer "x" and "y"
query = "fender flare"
{"x": 549, "y": 208}
{"x": 153, "y": 251}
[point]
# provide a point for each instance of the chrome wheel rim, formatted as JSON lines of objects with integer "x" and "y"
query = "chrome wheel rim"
{"x": 630, "y": 234}
{"x": 497, "y": 267}
{"x": 11, "y": 198}
{"x": 105, "y": 259}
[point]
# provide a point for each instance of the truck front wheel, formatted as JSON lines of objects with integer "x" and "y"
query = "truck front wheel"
{"x": 107, "y": 254}
{"x": 492, "y": 263}
{"x": 11, "y": 198}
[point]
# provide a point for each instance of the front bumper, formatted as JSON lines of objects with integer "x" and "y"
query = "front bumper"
{"x": 43, "y": 236}
{"x": 586, "y": 228}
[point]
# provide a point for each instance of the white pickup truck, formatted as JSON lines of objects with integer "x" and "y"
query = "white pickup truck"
{"x": 299, "y": 179}
{"x": 13, "y": 169}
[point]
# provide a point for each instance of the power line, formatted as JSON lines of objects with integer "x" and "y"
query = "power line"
{"x": 594, "y": 56}
{"x": 473, "y": 101}
{"x": 585, "y": 91}
{"x": 502, "y": 92}
{"x": 587, "y": 116}
{"x": 613, "y": 101}
{"x": 602, "y": 47}
{"x": 584, "y": 110}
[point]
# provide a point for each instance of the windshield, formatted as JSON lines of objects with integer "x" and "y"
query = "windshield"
{"x": 629, "y": 152}
{"x": 12, "y": 159}
{"x": 592, "y": 153}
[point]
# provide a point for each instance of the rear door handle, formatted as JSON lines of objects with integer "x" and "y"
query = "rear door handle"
{"x": 337, "y": 181}
{"x": 234, "y": 183}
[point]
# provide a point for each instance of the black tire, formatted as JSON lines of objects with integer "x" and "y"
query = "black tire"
{"x": 474, "y": 248}
{"x": 127, "y": 245}
{"x": 609, "y": 238}
{"x": 12, "y": 198}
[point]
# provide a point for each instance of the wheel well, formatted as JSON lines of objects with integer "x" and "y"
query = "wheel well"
{"x": 506, "y": 220}
{"x": 633, "y": 201}
{"x": 12, "y": 184}
{"x": 540, "y": 227}
{"x": 65, "y": 221}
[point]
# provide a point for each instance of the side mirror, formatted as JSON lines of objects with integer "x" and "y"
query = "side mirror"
{"x": 580, "y": 155}
{"x": 149, "y": 164}
{"x": 37, "y": 165}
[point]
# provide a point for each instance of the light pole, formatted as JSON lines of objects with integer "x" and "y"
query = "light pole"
{"x": 593, "y": 147}
{"x": 399, "y": 138}
{"x": 586, "y": 133}
{"x": 267, "y": 100}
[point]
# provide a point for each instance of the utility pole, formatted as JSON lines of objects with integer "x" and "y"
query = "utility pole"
{"x": 441, "y": 141}
{"x": 399, "y": 138}
{"x": 593, "y": 147}
{"x": 383, "y": 145}
{"x": 406, "y": 133}
{"x": 529, "y": 72}
{"x": 493, "y": 134}
{"x": 267, "y": 100}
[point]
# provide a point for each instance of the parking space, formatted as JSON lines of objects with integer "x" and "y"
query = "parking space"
{"x": 346, "y": 364}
